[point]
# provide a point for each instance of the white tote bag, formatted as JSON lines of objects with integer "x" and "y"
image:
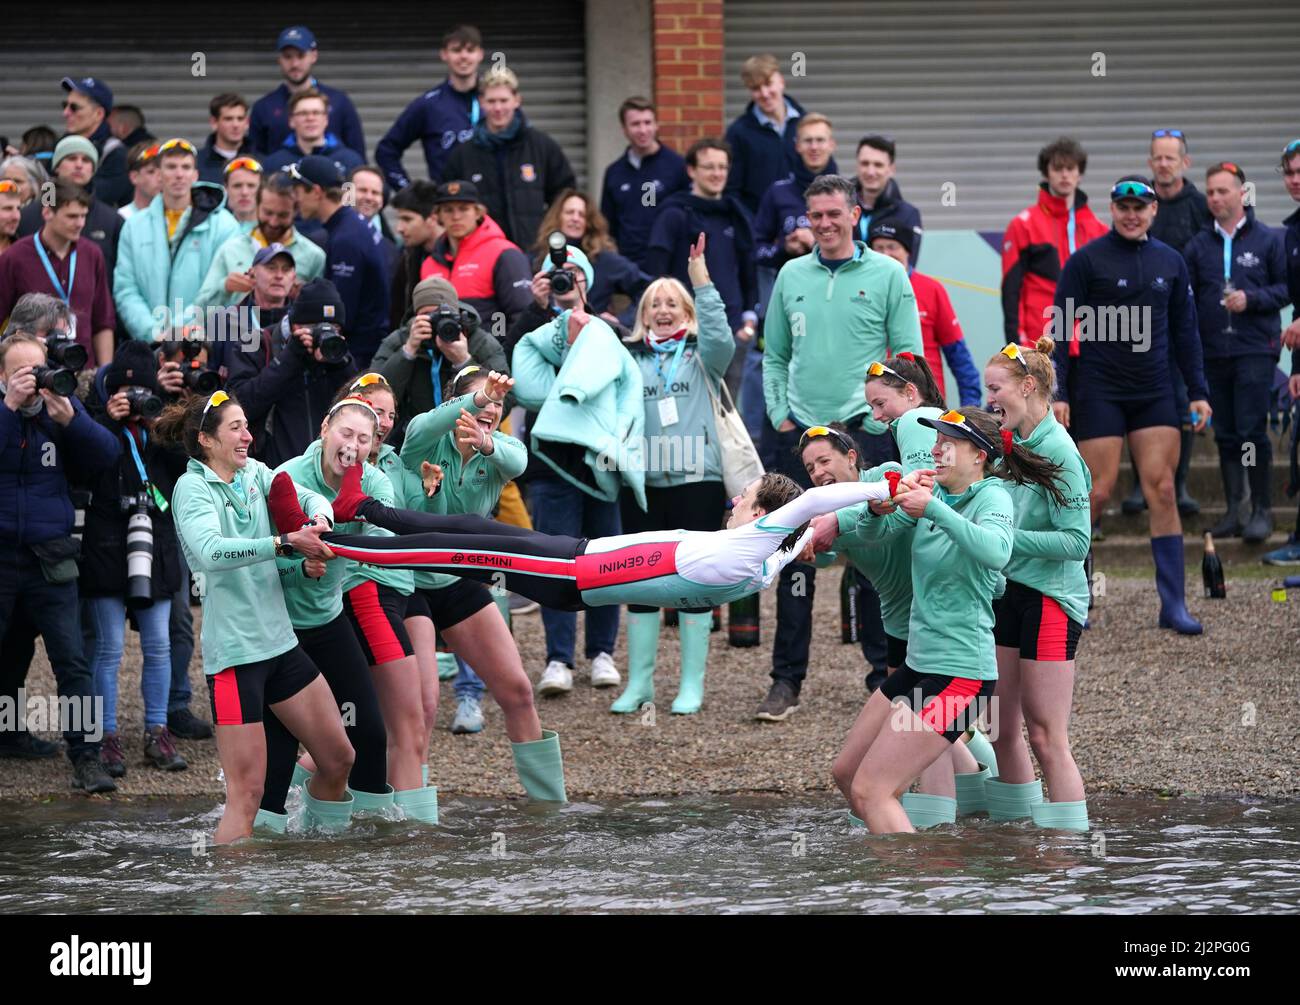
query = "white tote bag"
{"x": 740, "y": 463}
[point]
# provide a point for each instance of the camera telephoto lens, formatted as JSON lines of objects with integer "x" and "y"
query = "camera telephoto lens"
{"x": 330, "y": 341}
{"x": 201, "y": 381}
{"x": 143, "y": 402}
{"x": 63, "y": 350}
{"x": 62, "y": 382}
{"x": 446, "y": 324}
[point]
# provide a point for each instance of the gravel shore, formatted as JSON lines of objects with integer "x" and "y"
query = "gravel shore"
{"x": 1154, "y": 712}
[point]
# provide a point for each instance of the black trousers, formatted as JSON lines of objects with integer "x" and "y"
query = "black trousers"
{"x": 798, "y": 586}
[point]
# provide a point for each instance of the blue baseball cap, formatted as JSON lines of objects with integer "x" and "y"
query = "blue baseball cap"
{"x": 317, "y": 170}
{"x": 93, "y": 88}
{"x": 297, "y": 37}
{"x": 273, "y": 250}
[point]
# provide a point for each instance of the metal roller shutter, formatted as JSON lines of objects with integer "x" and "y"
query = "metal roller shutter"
{"x": 383, "y": 56}
{"x": 971, "y": 91}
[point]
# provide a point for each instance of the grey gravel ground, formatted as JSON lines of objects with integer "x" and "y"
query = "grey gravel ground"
{"x": 1154, "y": 712}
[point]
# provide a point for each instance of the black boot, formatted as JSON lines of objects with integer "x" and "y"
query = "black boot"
{"x": 1135, "y": 502}
{"x": 1187, "y": 506}
{"x": 1260, "y": 524}
{"x": 1234, "y": 487}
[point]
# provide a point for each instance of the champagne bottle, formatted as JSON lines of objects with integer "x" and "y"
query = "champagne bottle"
{"x": 849, "y": 627}
{"x": 1212, "y": 571}
{"x": 742, "y": 622}
{"x": 717, "y": 621}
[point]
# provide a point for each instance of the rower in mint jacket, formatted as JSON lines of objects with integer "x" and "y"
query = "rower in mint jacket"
{"x": 959, "y": 549}
{"x": 225, "y": 531}
{"x": 822, "y": 330}
{"x": 1051, "y": 542}
{"x": 315, "y": 602}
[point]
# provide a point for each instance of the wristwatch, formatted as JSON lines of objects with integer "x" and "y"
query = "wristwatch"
{"x": 282, "y": 548}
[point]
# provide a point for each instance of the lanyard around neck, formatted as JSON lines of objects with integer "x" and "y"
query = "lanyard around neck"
{"x": 65, "y": 296}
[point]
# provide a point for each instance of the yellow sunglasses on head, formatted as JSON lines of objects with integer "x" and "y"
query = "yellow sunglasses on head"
{"x": 878, "y": 369}
{"x": 368, "y": 380}
{"x": 178, "y": 144}
{"x": 812, "y": 432}
{"x": 244, "y": 164}
{"x": 218, "y": 398}
{"x": 1012, "y": 351}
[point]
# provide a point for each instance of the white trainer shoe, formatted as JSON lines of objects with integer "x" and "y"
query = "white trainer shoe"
{"x": 556, "y": 679}
{"x": 603, "y": 671}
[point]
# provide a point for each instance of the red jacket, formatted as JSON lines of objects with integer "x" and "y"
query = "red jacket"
{"x": 489, "y": 272}
{"x": 1034, "y": 250}
{"x": 939, "y": 324}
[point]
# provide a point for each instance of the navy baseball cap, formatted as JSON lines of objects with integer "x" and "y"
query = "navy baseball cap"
{"x": 456, "y": 191}
{"x": 317, "y": 170}
{"x": 274, "y": 250}
{"x": 93, "y": 88}
{"x": 297, "y": 37}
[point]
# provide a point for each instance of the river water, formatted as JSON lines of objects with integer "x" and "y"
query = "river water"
{"x": 701, "y": 854}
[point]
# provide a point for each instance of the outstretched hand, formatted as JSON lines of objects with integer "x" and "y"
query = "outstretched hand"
{"x": 826, "y": 528}
{"x": 497, "y": 387}
{"x": 578, "y": 320}
{"x": 696, "y": 267}
{"x": 431, "y": 478}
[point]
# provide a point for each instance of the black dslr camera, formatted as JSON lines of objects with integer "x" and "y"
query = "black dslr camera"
{"x": 143, "y": 402}
{"x": 63, "y": 350}
{"x": 60, "y": 380}
{"x": 562, "y": 280}
{"x": 198, "y": 378}
{"x": 330, "y": 341}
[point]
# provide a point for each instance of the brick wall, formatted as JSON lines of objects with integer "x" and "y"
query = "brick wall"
{"x": 688, "y": 70}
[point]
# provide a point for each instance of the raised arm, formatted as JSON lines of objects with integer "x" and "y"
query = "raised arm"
{"x": 823, "y": 499}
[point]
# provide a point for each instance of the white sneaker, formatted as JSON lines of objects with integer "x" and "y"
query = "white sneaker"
{"x": 556, "y": 679}
{"x": 603, "y": 671}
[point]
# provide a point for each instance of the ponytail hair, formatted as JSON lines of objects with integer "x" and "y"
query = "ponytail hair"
{"x": 911, "y": 369}
{"x": 180, "y": 423}
{"x": 1037, "y": 364}
{"x": 1017, "y": 463}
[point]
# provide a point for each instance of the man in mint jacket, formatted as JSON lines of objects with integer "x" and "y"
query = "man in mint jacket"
{"x": 165, "y": 251}
{"x": 832, "y": 312}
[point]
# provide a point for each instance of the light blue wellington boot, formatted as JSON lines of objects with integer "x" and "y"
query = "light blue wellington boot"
{"x": 694, "y": 630}
{"x": 1061, "y": 816}
{"x": 982, "y": 750}
{"x": 541, "y": 768}
{"x": 270, "y": 823}
{"x": 642, "y": 646}
{"x": 928, "y": 811}
{"x": 855, "y": 821}
{"x": 375, "y": 803}
{"x": 323, "y": 814}
{"x": 971, "y": 795}
{"x": 419, "y": 804}
{"x": 301, "y": 776}
{"x": 447, "y": 666}
{"x": 1011, "y": 801}
{"x": 502, "y": 599}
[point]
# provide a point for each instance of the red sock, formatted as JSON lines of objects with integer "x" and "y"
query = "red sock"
{"x": 350, "y": 495}
{"x": 286, "y": 514}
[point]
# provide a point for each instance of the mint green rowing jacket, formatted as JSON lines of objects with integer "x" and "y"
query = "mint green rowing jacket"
{"x": 1051, "y": 541}
{"x": 225, "y": 531}
{"x": 959, "y": 548}
{"x": 822, "y": 330}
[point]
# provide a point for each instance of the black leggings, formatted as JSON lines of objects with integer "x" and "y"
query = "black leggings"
{"x": 334, "y": 648}
{"x": 473, "y": 548}
{"x": 691, "y": 506}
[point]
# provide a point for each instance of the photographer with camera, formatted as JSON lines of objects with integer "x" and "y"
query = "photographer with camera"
{"x": 42, "y": 432}
{"x": 441, "y": 339}
{"x": 286, "y": 381}
{"x": 133, "y": 564}
{"x": 272, "y": 279}
{"x": 56, "y": 261}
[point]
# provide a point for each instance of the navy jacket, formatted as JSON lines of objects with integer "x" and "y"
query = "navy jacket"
{"x": 212, "y": 166}
{"x": 357, "y": 264}
{"x": 759, "y": 155}
{"x": 269, "y": 120}
{"x": 289, "y": 152}
{"x": 1291, "y": 248}
{"x": 517, "y": 180}
{"x": 1259, "y": 268}
{"x": 729, "y": 250}
{"x": 892, "y": 208}
{"x": 111, "y": 182}
{"x": 1181, "y": 218}
{"x": 35, "y": 457}
{"x": 439, "y": 119}
{"x": 616, "y": 274}
{"x": 284, "y": 392}
{"x": 623, "y": 197}
{"x": 781, "y": 212}
{"x": 1113, "y": 271}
